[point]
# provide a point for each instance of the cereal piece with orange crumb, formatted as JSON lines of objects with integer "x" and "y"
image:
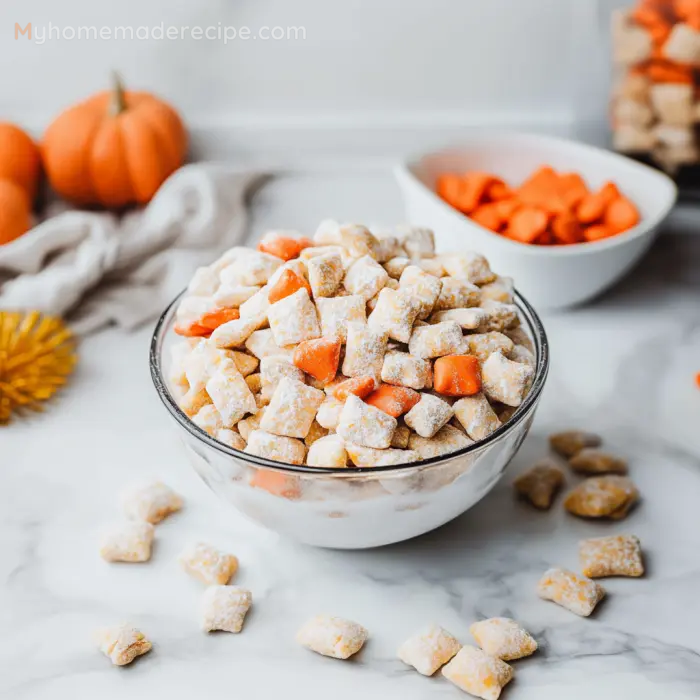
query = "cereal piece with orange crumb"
{"x": 594, "y": 461}
{"x": 337, "y": 312}
{"x": 208, "y": 564}
{"x": 224, "y": 608}
{"x": 429, "y": 649}
{"x": 276, "y": 447}
{"x": 394, "y": 314}
{"x": 404, "y": 369}
{"x": 325, "y": 274}
{"x": 571, "y": 442}
{"x": 437, "y": 340}
{"x": 293, "y": 319}
{"x": 505, "y": 381}
{"x": 365, "y": 278}
{"x": 477, "y": 673}
{"x": 129, "y": 541}
{"x": 332, "y": 636}
{"x": 422, "y": 287}
{"x": 476, "y": 416}
{"x": 365, "y": 425}
{"x": 577, "y": 594}
{"x": 602, "y": 497}
{"x": 620, "y": 555}
{"x": 151, "y": 502}
{"x": 540, "y": 484}
{"x": 292, "y": 409}
{"x": 364, "y": 351}
{"x": 328, "y": 451}
{"x": 428, "y": 415}
{"x": 122, "y": 643}
{"x": 503, "y": 638}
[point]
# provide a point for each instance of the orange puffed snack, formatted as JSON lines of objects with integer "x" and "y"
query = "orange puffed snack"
{"x": 457, "y": 375}
{"x": 547, "y": 208}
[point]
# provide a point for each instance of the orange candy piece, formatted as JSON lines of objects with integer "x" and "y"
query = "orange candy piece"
{"x": 488, "y": 216}
{"x": 527, "y": 224}
{"x": 457, "y": 375}
{"x": 284, "y": 247}
{"x": 621, "y": 215}
{"x": 359, "y": 386}
{"x": 394, "y": 400}
{"x": 213, "y": 319}
{"x": 288, "y": 283}
{"x": 597, "y": 232}
{"x": 566, "y": 228}
{"x": 318, "y": 357}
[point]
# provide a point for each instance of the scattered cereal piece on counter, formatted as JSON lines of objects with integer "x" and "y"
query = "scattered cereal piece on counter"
{"x": 570, "y": 442}
{"x": 540, "y": 484}
{"x": 428, "y": 415}
{"x": 151, "y": 502}
{"x": 602, "y": 497}
{"x": 328, "y": 451}
{"x": 276, "y": 447}
{"x": 429, "y": 649}
{"x": 208, "y": 564}
{"x": 332, "y": 636}
{"x": 477, "y": 673}
{"x": 224, "y": 608}
{"x": 503, "y": 638}
{"x": 122, "y": 643}
{"x": 504, "y": 380}
{"x": 577, "y": 594}
{"x": 292, "y": 409}
{"x": 129, "y": 541}
{"x": 476, "y": 416}
{"x": 620, "y": 555}
{"x": 591, "y": 460}
{"x": 365, "y": 425}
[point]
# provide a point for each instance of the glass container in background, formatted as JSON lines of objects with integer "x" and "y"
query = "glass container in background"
{"x": 655, "y": 94}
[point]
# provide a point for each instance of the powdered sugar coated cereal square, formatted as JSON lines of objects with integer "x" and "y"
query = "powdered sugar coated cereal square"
{"x": 325, "y": 274}
{"x": 477, "y": 673}
{"x": 224, "y": 608}
{"x": 365, "y": 425}
{"x": 232, "y": 397}
{"x": 365, "y": 278}
{"x": 292, "y": 409}
{"x": 122, "y": 643}
{"x": 293, "y": 319}
{"x": 428, "y": 650}
{"x": 404, "y": 369}
{"x": 436, "y": 341}
{"x": 129, "y": 541}
{"x": 476, "y": 416}
{"x": 151, "y": 502}
{"x": 577, "y": 594}
{"x": 208, "y": 564}
{"x": 503, "y": 638}
{"x": 428, "y": 415}
{"x": 504, "y": 380}
{"x": 422, "y": 287}
{"x": 328, "y": 451}
{"x": 336, "y": 313}
{"x": 276, "y": 447}
{"x": 332, "y": 636}
{"x": 620, "y": 555}
{"x": 394, "y": 314}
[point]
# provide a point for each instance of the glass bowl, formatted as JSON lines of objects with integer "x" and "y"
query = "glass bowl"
{"x": 352, "y": 508}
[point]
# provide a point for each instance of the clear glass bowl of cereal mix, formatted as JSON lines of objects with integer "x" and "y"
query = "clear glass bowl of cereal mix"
{"x": 352, "y": 389}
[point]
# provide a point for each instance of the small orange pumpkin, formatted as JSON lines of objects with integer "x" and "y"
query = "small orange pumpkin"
{"x": 15, "y": 211}
{"x": 20, "y": 161}
{"x": 114, "y": 149}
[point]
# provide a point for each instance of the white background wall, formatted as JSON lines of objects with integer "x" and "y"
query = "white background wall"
{"x": 372, "y": 63}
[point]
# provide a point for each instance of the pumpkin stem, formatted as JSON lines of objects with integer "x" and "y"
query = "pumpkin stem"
{"x": 119, "y": 96}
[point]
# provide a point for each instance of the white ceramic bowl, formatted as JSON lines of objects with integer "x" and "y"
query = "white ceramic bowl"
{"x": 549, "y": 276}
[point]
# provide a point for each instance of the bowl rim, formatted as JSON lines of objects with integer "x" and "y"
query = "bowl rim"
{"x": 405, "y": 173}
{"x": 539, "y": 338}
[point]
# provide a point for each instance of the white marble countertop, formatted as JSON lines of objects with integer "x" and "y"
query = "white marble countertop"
{"x": 623, "y": 366}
